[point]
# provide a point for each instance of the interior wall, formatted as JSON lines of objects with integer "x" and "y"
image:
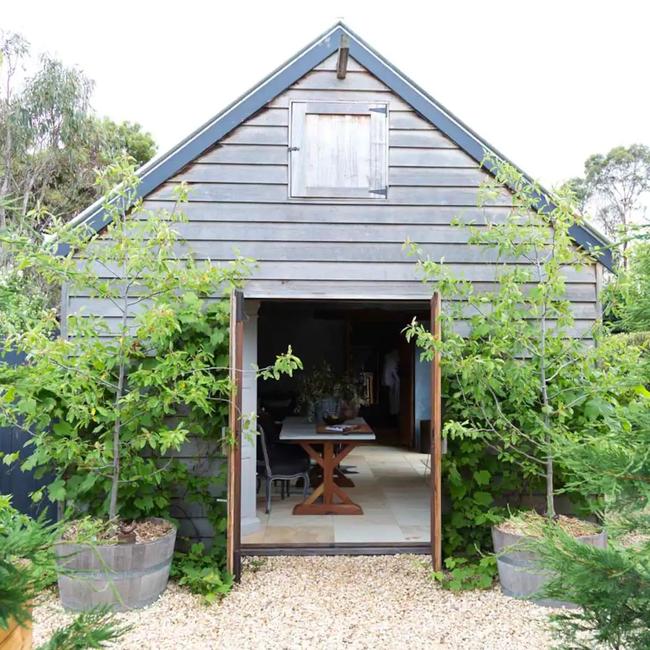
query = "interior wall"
{"x": 330, "y": 331}
{"x": 422, "y": 392}
{"x": 249, "y": 520}
{"x": 312, "y": 340}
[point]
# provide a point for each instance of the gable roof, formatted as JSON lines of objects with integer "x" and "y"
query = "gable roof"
{"x": 166, "y": 165}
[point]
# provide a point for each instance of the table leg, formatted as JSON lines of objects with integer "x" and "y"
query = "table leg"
{"x": 316, "y": 478}
{"x": 328, "y": 489}
{"x": 316, "y": 475}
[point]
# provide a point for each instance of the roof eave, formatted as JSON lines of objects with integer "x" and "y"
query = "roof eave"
{"x": 163, "y": 167}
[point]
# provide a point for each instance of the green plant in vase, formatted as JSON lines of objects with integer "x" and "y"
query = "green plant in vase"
{"x": 109, "y": 404}
{"x": 524, "y": 376}
{"x": 350, "y": 388}
{"x": 317, "y": 392}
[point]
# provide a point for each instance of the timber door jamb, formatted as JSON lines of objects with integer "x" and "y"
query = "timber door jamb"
{"x": 233, "y": 535}
{"x": 436, "y": 438}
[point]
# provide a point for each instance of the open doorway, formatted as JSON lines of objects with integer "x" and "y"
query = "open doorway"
{"x": 389, "y": 478}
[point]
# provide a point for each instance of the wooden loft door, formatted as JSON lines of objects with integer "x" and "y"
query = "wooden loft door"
{"x": 436, "y": 439}
{"x": 233, "y": 533}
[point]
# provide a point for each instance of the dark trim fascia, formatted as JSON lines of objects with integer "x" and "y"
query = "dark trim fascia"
{"x": 398, "y": 548}
{"x": 156, "y": 172}
{"x": 159, "y": 170}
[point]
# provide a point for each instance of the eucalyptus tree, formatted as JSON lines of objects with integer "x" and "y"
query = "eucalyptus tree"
{"x": 51, "y": 143}
{"x": 615, "y": 187}
{"x": 51, "y": 146}
{"x": 13, "y": 48}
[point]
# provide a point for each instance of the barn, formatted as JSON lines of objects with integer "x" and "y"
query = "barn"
{"x": 320, "y": 173}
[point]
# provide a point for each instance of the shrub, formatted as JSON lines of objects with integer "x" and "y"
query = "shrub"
{"x": 27, "y": 568}
{"x": 611, "y": 586}
{"x": 110, "y": 404}
{"x": 517, "y": 376}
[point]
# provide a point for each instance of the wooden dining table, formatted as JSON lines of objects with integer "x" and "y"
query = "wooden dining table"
{"x": 328, "y": 448}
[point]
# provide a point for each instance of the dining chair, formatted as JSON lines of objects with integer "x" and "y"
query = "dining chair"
{"x": 281, "y": 463}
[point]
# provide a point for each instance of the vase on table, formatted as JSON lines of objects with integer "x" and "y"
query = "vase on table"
{"x": 326, "y": 406}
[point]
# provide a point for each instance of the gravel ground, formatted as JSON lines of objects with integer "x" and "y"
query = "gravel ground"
{"x": 328, "y": 602}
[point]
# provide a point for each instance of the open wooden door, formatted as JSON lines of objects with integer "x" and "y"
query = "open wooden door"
{"x": 406, "y": 392}
{"x": 233, "y": 531}
{"x": 436, "y": 427}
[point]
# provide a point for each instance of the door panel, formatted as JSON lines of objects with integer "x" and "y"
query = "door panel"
{"x": 233, "y": 532}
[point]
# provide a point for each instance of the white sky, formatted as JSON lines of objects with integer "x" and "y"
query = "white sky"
{"x": 546, "y": 82}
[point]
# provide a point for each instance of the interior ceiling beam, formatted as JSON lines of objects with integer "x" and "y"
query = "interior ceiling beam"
{"x": 371, "y": 315}
{"x": 342, "y": 63}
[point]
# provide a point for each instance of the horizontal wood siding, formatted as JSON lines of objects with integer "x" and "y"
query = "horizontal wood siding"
{"x": 331, "y": 249}
{"x": 480, "y": 260}
{"x": 203, "y": 458}
{"x": 269, "y": 193}
{"x": 581, "y": 327}
{"x": 340, "y": 248}
{"x": 582, "y": 310}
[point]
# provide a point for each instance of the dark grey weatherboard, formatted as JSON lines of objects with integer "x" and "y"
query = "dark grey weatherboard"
{"x": 13, "y": 481}
{"x": 163, "y": 168}
{"x": 330, "y": 249}
{"x": 347, "y": 249}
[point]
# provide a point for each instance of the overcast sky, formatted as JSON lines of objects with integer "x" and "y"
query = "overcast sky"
{"x": 548, "y": 83}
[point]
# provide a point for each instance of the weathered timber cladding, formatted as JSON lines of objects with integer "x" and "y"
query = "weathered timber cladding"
{"x": 238, "y": 194}
{"x": 334, "y": 248}
{"x": 340, "y": 248}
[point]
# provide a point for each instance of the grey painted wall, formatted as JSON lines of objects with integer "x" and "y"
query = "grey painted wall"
{"x": 340, "y": 248}
{"x": 312, "y": 339}
{"x": 422, "y": 392}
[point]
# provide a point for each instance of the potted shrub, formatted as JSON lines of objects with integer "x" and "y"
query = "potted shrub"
{"x": 610, "y": 586}
{"x": 109, "y": 402}
{"x": 524, "y": 376}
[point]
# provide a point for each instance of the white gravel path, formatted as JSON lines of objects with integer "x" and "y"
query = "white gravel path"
{"x": 329, "y": 602}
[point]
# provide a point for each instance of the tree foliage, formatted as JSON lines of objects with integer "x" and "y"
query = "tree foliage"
{"x": 613, "y": 188}
{"x": 611, "y": 586}
{"x": 26, "y": 561}
{"x": 27, "y": 567}
{"x": 51, "y": 143}
{"x": 108, "y": 402}
{"x": 517, "y": 373}
{"x": 628, "y": 295}
{"x": 522, "y": 367}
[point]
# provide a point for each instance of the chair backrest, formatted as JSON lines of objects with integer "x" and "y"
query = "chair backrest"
{"x": 265, "y": 449}
{"x": 270, "y": 426}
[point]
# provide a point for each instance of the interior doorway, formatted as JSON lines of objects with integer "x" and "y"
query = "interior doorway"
{"x": 390, "y": 478}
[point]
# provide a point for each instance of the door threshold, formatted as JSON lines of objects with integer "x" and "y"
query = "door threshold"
{"x": 365, "y": 548}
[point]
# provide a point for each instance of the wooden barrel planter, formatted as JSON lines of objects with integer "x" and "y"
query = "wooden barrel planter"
{"x": 16, "y": 637}
{"x": 520, "y": 573}
{"x": 123, "y": 576}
